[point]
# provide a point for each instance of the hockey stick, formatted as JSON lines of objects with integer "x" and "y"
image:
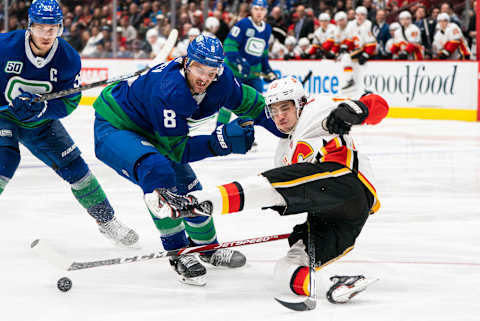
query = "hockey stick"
{"x": 267, "y": 77}
{"x": 44, "y": 250}
{"x": 161, "y": 57}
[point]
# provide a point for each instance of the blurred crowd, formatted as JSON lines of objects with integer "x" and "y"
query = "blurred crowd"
{"x": 401, "y": 29}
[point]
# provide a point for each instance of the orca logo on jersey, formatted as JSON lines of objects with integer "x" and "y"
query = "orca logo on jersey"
{"x": 14, "y": 67}
{"x": 255, "y": 46}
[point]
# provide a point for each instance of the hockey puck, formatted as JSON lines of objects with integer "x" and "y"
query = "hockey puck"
{"x": 64, "y": 284}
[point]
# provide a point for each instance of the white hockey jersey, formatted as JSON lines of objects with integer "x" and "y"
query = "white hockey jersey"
{"x": 321, "y": 36}
{"x": 411, "y": 34}
{"x": 309, "y": 142}
{"x": 452, "y": 40}
{"x": 361, "y": 35}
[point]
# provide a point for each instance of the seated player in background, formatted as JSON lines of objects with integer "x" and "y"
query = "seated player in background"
{"x": 449, "y": 42}
{"x": 319, "y": 172}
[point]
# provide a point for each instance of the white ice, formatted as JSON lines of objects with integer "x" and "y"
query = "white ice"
{"x": 424, "y": 244}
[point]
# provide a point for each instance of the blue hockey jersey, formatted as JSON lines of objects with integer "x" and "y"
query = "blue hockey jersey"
{"x": 248, "y": 40}
{"x": 159, "y": 106}
{"x": 21, "y": 69}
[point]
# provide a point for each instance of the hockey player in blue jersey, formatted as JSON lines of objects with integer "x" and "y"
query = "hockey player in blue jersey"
{"x": 142, "y": 132}
{"x": 246, "y": 47}
{"x": 36, "y": 61}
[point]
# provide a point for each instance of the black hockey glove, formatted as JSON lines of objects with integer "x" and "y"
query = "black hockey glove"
{"x": 166, "y": 204}
{"x": 362, "y": 59}
{"x": 348, "y": 113}
{"x": 403, "y": 55}
{"x": 343, "y": 49}
{"x": 444, "y": 54}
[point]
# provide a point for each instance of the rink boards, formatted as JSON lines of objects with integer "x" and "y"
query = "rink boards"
{"x": 423, "y": 89}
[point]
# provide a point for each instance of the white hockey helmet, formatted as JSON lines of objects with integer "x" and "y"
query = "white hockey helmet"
{"x": 290, "y": 41}
{"x": 193, "y": 32}
{"x": 443, "y": 17}
{"x": 324, "y": 17}
{"x": 394, "y": 26}
{"x": 287, "y": 88}
{"x": 341, "y": 15}
{"x": 211, "y": 23}
{"x": 303, "y": 42}
{"x": 361, "y": 10}
{"x": 405, "y": 15}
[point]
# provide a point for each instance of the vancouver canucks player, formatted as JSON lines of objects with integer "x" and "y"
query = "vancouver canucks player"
{"x": 37, "y": 61}
{"x": 142, "y": 132}
{"x": 246, "y": 47}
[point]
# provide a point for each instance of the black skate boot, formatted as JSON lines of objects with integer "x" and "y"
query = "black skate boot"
{"x": 189, "y": 269}
{"x": 224, "y": 257}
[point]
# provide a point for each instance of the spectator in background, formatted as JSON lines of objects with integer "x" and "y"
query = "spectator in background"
{"x": 137, "y": 51}
{"x": 351, "y": 15}
{"x": 155, "y": 41}
{"x": 372, "y": 12}
{"x": 128, "y": 31}
{"x": 277, "y": 21}
{"x": 181, "y": 48}
{"x": 472, "y": 31}
{"x": 197, "y": 20}
{"x": 427, "y": 29}
{"x": 304, "y": 26}
{"x": 134, "y": 15}
{"x": 339, "y": 6}
{"x": 381, "y": 32}
{"x": 90, "y": 46}
{"x": 446, "y": 8}
{"x": 223, "y": 29}
{"x": 434, "y": 14}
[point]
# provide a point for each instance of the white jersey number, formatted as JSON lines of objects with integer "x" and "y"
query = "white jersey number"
{"x": 169, "y": 118}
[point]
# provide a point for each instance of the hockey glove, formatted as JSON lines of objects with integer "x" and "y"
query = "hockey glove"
{"x": 24, "y": 109}
{"x": 362, "y": 59}
{"x": 243, "y": 67}
{"x": 343, "y": 49}
{"x": 348, "y": 113}
{"x": 166, "y": 204}
{"x": 402, "y": 55}
{"x": 444, "y": 54}
{"x": 235, "y": 137}
{"x": 270, "y": 76}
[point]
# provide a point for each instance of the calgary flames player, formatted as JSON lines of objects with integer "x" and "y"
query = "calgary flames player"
{"x": 320, "y": 172}
{"x": 407, "y": 43}
{"x": 323, "y": 39}
{"x": 363, "y": 45}
{"x": 448, "y": 42}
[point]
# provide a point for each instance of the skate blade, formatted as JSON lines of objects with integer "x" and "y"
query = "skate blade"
{"x": 197, "y": 281}
{"x": 343, "y": 293}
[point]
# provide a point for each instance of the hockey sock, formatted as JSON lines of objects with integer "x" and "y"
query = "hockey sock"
{"x": 300, "y": 281}
{"x": 223, "y": 116}
{"x": 91, "y": 196}
{"x": 201, "y": 229}
{"x": 3, "y": 183}
{"x": 172, "y": 232}
{"x": 252, "y": 192}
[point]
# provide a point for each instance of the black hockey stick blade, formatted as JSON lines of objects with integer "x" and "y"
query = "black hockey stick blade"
{"x": 302, "y": 305}
{"x": 307, "y": 77}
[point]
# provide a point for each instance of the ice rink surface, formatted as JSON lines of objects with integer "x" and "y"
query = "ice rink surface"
{"x": 424, "y": 244}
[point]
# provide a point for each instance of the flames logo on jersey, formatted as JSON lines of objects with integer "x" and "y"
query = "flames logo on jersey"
{"x": 302, "y": 152}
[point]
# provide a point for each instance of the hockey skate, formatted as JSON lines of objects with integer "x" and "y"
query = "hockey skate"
{"x": 189, "y": 269}
{"x": 346, "y": 287}
{"x": 118, "y": 233}
{"x": 350, "y": 85}
{"x": 224, "y": 257}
